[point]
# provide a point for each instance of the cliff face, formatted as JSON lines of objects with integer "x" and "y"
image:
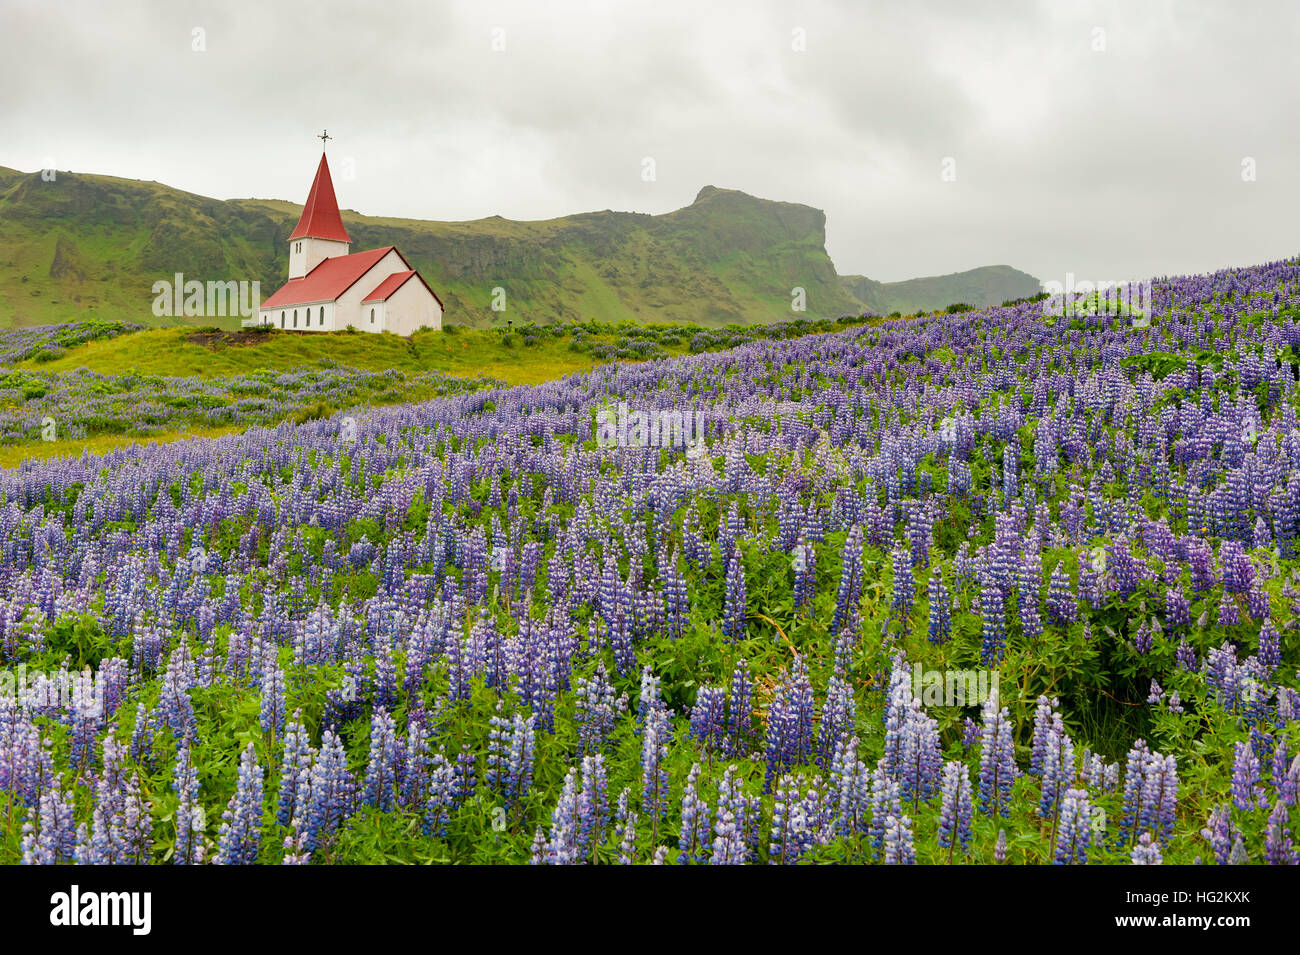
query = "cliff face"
{"x": 86, "y": 245}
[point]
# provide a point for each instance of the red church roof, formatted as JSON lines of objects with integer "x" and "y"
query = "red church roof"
{"x": 388, "y": 286}
{"x": 320, "y": 216}
{"x": 330, "y": 279}
{"x": 385, "y": 289}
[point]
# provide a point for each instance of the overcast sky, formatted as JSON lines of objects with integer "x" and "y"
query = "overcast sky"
{"x": 1103, "y": 139}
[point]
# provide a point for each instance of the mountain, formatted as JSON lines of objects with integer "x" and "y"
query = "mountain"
{"x": 86, "y": 245}
{"x": 988, "y": 285}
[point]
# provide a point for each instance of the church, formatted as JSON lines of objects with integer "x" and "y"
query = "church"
{"x": 330, "y": 289}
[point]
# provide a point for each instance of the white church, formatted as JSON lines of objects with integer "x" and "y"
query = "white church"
{"x": 330, "y": 289}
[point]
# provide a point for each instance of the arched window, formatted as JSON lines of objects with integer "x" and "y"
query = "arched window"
{"x": 295, "y": 318}
{"x": 322, "y": 314}
{"x": 282, "y": 319}
{"x": 372, "y": 316}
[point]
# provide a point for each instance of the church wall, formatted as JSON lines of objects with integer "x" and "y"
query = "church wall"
{"x": 412, "y": 307}
{"x": 314, "y": 252}
{"x": 350, "y": 310}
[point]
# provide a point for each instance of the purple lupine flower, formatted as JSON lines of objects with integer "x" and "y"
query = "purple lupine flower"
{"x": 898, "y": 701}
{"x": 87, "y": 715}
{"x": 849, "y": 788}
{"x": 49, "y": 835}
{"x": 240, "y": 836}
{"x": 850, "y": 586}
{"x": 1058, "y": 767}
{"x": 1156, "y": 693}
{"x": 597, "y": 710}
{"x": 1278, "y": 848}
{"x": 885, "y": 802}
{"x": 1247, "y": 790}
{"x": 956, "y": 808}
{"x": 331, "y": 793}
{"x": 1286, "y": 777}
{"x": 1074, "y": 831}
{"x": 997, "y": 759}
{"x": 187, "y": 849}
{"x": 1229, "y": 615}
{"x": 440, "y": 797}
{"x": 839, "y": 714}
{"x": 563, "y": 847}
{"x": 920, "y": 755}
{"x": 413, "y": 767}
{"x": 784, "y": 847}
{"x": 1178, "y": 612}
{"x": 1142, "y": 638}
{"x": 1062, "y": 604}
{"x": 940, "y": 626}
{"x": 970, "y": 733}
{"x": 790, "y": 739}
{"x": 708, "y": 718}
{"x": 696, "y": 823}
{"x": 804, "y": 561}
{"x": 993, "y": 613}
{"x": 1238, "y": 855}
{"x": 273, "y": 704}
{"x": 1219, "y": 832}
{"x": 626, "y": 833}
{"x": 904, "y": 583}
{"x": 511, "y": 746}
{"x": 898, "y": 841}
{"x": 1042, "y": 727}
{"x": 1270, "y": 646}
{"x": 656, "y": 734}
{"x": 740, "y": 711}
{"x": 382, "y": 767}
{"x": 730, "y": 822}
{"x": 1000, "y": 847}
{"x": 1146, "y": 851}
{"x": 734, "y": 612}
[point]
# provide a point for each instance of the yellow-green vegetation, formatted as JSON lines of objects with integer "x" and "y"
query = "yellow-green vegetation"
{"x": 15, "y": 454}
{"x": 464, "y": 352}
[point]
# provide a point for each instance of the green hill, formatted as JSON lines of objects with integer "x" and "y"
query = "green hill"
{"x": 988, "y": 285}
{"x": 88, "y": 246}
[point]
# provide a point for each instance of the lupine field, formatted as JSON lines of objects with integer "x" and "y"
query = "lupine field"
{"x": 468, "y": 631}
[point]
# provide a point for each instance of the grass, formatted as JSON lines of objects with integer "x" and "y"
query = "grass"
{"x": 11, "y": 456}
{"x": 466, "y": 353}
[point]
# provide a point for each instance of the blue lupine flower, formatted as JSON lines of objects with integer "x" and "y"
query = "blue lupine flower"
{"x": 240, "y": 836}
{"x": 956, "y": 809}
{"x": 1074, "y": 831}
{"x": 997, "y": 759}
{"x": 1146, "y": 851}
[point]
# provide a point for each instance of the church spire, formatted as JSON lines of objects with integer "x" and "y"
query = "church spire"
{"x": 320, "y": 216}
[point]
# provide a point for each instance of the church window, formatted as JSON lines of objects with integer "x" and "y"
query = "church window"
{"x": 372, "y": 316}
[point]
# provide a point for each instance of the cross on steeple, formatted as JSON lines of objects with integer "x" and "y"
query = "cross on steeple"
{"x": 323, "y": 137}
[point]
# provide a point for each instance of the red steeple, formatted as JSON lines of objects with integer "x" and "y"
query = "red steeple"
{"x": 320, "y": 216}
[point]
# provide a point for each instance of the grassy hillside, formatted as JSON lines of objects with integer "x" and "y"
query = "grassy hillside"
{"x": 87, "y": 246}
{"x": 988, "y": 285}
{"x": 466, "y": 353}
